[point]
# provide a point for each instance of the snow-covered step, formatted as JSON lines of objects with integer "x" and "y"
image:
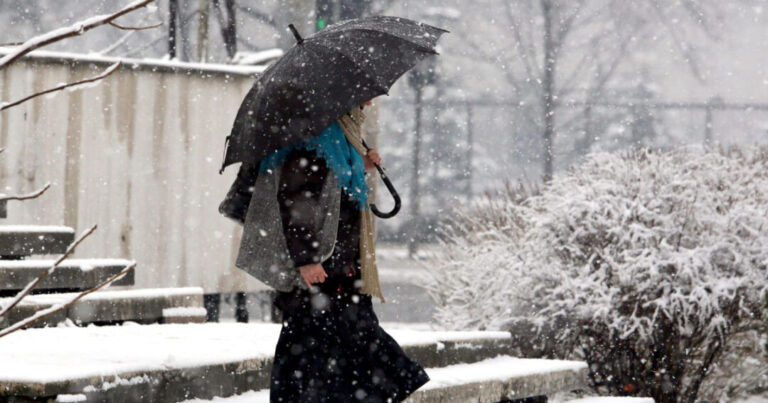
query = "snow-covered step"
{"x": 501, "y": 378}
{"x": 612, "y": 399}
{"x": 25, "y": 240}
{"x": 169, "y": 363}
{"x": 184, "y": 314}
{"x": 70, "y": 275}
{"x": 135, "y": 305}
{"x": 491, "y": 380}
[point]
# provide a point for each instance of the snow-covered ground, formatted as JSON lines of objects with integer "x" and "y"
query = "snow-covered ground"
{"x": 57, "y": 354}
{"x": 499, "y": 368}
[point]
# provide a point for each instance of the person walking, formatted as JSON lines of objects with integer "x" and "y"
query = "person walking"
{"x": 331, "y": 347}
{"x": 301, "y": 196}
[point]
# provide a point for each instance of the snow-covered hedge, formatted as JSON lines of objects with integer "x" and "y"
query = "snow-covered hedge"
{"x": 644, "y": 264}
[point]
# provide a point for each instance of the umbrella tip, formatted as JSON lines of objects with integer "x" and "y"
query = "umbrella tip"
{"x": 293, "y": 29}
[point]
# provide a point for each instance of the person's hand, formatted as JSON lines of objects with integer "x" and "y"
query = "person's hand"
{"x": 371, "y": 159}
{"x": 313, "y": 273}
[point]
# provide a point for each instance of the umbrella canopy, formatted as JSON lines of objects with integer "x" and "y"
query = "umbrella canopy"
{"x": 323, "y": 77}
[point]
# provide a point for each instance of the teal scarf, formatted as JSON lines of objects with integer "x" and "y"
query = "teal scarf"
{"x": 342, "y": 159}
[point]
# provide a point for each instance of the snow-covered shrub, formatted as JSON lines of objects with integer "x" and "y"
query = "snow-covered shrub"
{"x": 644, "y": 264}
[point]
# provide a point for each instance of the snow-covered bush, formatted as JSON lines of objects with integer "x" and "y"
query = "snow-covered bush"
{"x": 645, "y": 264}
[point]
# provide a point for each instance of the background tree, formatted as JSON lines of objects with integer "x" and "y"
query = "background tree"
{"x": 564, "y": 50}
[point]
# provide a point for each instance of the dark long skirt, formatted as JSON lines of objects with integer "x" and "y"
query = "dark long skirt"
{"x": 332, "y": 349}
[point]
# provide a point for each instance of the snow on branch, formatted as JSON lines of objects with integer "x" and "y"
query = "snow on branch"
{"x": 72, "y": 86}
{"x": 32, "y": 284}
{"x": 28, "y": 196}
{"x": 76, "y": 29}
{"x": 43, "y": 313}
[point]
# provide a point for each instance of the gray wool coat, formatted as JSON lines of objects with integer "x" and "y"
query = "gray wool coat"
{"x": 263, "y": 249}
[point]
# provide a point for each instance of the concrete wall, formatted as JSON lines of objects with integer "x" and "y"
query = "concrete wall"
{"x": 137, "y": 154}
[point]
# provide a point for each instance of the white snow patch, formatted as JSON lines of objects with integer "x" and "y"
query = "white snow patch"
{"x": 35, "y": 228}
{"x": 83, "y": 264}
{"x": 45, "y": 355}
{"x": 611, "y": 399}
{"x": 184, "y": 311}
{"x": 140, "y": 293}
{"x": 71, "y": 398}
{"x": 257, "y": 58}
{"x": 499, "y": 368}
{"x": 136, "y": 380}
{"x": 138, "y": 63}
{"x": 254, "y": 396}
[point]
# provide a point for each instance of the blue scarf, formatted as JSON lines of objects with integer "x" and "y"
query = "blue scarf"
{"x": 342, "y": 159}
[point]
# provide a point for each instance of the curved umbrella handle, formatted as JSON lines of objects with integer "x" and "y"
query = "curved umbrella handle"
{"x": 392, "y": 191}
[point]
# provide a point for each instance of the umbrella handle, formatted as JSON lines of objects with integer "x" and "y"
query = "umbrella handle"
{"x": 391, "y": 189}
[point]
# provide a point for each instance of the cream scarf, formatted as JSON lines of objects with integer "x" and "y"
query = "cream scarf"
{"x": 352, "y": 124}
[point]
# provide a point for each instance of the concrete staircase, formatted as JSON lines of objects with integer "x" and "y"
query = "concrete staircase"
{"x": 19, "y": 243}
{"x": 171, "y": 363}
{"x": 170, "y": 357}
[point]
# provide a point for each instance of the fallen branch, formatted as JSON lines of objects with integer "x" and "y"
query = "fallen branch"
{"x": 111, "y": 69}
{"x": 32, "y": 284}
{"x": 76, "y": 29}
{"x": 123, "y": 27}
{"x": 26, "y": 196}
{"x": 43, "y": 313}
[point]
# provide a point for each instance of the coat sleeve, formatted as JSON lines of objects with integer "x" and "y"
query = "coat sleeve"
{"x": 235, "y": 204}
{"x": 301, "y": 182}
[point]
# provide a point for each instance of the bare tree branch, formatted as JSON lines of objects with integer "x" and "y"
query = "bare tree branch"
{"x": 41, "y": 314}
{"x": 123, "y": 27}
{"x": 32, "y": 284}
{"x": 77, "y": 29}
{"x": 124, "y": 38}
{"x": 154, "y": 42}
{"x": 26, "y": 196}
{"x": 111, "y": 69}
{"x": 690, "y": 56}
{"x": 527, "y": 48}
{"x": 259, "y": 16}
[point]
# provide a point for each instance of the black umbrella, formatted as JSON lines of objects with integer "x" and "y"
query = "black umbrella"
{"x": 323, "y": 77}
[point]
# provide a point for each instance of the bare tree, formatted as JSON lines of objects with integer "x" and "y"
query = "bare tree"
{"x": 561, "y": 49}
